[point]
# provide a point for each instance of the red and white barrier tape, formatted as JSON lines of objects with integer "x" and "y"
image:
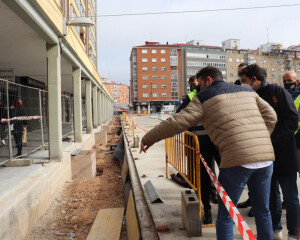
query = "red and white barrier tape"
{"x": 22, "y": 118}
{"x": 234, "y": 213}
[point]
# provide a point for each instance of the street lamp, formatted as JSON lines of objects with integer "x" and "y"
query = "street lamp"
{"x": 77, "y": 22}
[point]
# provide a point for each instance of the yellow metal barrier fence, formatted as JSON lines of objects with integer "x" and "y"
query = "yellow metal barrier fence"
{"x": 181, "y": 154}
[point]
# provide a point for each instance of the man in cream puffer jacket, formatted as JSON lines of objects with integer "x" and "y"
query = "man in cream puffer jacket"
{"x": 239, "y": 123}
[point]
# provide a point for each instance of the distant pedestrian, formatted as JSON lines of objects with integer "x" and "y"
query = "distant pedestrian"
{"x": 158, "y": 110}
{"x": 239, "y": 123}
{"x": 18, "y": 111}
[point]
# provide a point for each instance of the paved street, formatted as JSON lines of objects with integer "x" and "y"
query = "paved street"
{"x": 168, "y": 213}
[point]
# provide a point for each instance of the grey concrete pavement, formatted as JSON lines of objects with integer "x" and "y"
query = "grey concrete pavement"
{"x": 152, "y": 164}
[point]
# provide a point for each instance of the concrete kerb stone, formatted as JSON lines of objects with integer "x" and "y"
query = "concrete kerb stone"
{"x": 22, "y": 162}
{"x": 190, "y": 213}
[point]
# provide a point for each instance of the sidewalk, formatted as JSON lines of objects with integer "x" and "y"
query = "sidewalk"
{"x": 168, "y": 213}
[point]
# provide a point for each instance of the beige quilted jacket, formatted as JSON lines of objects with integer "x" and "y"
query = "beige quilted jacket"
{"x": 238, "y": 122}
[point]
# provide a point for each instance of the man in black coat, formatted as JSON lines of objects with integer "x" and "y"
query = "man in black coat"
{"x": 286, "y": 164}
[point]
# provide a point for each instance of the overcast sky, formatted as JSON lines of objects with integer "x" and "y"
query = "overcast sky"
{"x": 117, "y": 35}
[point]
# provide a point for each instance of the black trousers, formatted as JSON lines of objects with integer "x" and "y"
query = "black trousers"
{"x": 18, "y": 140}
{"x": 209, "y": 153}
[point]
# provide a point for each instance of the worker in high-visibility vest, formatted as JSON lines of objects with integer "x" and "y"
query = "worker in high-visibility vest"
{"x": 208, "y": 151}
{"x": 291, "y": 83}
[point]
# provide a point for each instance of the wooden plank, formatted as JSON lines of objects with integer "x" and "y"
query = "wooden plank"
{"x": 107, "y": 225}
{"x": 132, "y": 226}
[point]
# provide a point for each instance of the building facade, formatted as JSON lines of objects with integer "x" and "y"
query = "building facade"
{"x": 196, "y": 57}
{"x": 118, "y": 91}
{"x": 160, "y": 73}
{"x": 156, "y": 74}
{"x": 275, "y": 62}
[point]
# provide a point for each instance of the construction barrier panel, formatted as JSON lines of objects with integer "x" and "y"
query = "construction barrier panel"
{"x": 181, "y": 154}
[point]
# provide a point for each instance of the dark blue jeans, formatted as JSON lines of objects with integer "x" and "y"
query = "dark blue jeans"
{"x": 233, "y": 181}
{"x": 290, "y": 196}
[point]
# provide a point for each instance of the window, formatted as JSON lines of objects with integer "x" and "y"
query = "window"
{"x": 154, "y": 86}
{"x": 145, "y": 95}
{"x": 254, "y": 61}
{"x": 242, "y": 60}
{"x": 144, "y": 59}
{"x": 163, "y": 69}
{"x": 145, "y": 86}
{"x": 261, "y": 61}
{"x": 153, "y": 50}
{"x": 145, "y": 77}
{"x": 237, "y": 60}
{"x": 273, "y": 62}
{"x": 145, "y": 69}
{"x": 163, "y": 60}
{"x": 154, "y": 77}
{"x": 231, "y": 75}
{"x": 231, "y": 67}
{"x": 154, "y": 69}
{"x": 154, "y": 95}
{"x": 163, "y": 77}
{"x": 163, "y": 51}
{"x": 164, "y": 95}
{"x": 144, "y": 51}
{"x": 273, "y": 76}
{"x": 273, "y": 69}
{"x": 230, "y": 59}
{"x": 154, "y": 60}
{"x": 163, "y": 86}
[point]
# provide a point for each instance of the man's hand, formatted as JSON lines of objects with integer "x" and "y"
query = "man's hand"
{"x": 144, "y": 147}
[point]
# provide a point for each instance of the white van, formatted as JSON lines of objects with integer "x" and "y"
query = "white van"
{"x": 167, "y": 109}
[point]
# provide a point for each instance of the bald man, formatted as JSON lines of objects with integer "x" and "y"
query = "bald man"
{"x": 291, "y": 83}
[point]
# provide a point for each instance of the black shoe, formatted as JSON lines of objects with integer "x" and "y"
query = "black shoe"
{"x": 244, "y": 204}
{"x": 250, "y": 213}
{"x": 214, "y": 197}
{"x": 207, "y": 219}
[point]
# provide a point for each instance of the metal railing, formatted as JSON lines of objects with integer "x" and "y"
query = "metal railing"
{"x": 181, "y": 153}
{"x": 24, "y": 119}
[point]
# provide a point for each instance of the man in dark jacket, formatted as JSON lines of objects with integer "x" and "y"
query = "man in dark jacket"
{"x": 291, "y": 83}
{"x": 286, "y": 164}
{"x": 240, "y": 67}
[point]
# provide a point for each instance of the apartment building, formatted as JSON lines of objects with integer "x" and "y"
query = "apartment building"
{"x": 156, "y": 76}
{"x": 48, "y": 59}
{"x": 160, "y": 73}
{"x": 195, "y": 57}
{"x": 118, "y": 91}
{"x": 276, "y": 61}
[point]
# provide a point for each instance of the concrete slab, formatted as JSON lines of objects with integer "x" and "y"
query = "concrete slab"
{"x": 83, "y": 165}
{"x": 169, "y": 213}
{"x": 19, "y": 162}
{"x": 101, "y": 138}
{"x": 106, "y": 128}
